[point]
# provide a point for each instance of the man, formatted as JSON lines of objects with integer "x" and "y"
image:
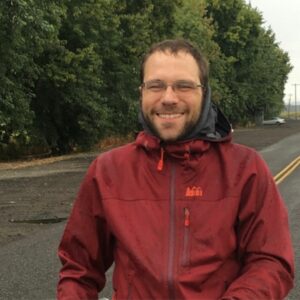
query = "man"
{"x": 182, "y": 212}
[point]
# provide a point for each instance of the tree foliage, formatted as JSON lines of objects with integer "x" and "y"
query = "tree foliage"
{"x": 69, "y": 69}
{"x": 255, "y": 68}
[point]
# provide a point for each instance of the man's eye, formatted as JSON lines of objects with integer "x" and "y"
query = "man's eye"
{"x": 155, "y": 86}
{"x": 184, "y": 86}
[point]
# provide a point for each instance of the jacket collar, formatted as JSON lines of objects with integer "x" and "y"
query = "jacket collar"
{"x": 181, "y": 150}
{"x": 176, "y": 149}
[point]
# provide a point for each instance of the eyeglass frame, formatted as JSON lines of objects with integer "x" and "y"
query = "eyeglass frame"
{"x": 172, "y": 85}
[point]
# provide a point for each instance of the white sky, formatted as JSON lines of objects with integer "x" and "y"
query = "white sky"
{"x": 284, "y": 19}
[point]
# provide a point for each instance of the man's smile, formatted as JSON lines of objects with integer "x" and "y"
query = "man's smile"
{"x": 169, "y": 115}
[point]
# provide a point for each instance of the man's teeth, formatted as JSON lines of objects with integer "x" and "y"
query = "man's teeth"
{"x": 169, "y": 116}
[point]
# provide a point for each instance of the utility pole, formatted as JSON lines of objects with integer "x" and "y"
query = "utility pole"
{"x": 295, "y": 85}
{"x": 289, "y": 107}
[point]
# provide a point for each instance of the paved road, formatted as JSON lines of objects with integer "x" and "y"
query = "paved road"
{"x": 290, "y": 189}
{"x": 29, "y": 266}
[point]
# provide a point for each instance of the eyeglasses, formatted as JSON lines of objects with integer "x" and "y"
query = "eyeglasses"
{"x": 179, "y": 86}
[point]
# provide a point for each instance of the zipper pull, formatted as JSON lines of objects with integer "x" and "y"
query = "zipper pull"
{"x": 186, "y": 217}
{"x": 160, "y": 164}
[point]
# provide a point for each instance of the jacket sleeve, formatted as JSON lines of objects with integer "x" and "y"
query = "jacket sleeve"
{"x": 264, "y": 242}
{"x": 86, "y": 246}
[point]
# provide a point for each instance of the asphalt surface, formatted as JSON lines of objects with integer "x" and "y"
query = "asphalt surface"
{"x": 290, "y": 190}
{"x": 29, "y": 266}
{"x": 278, "y": 156}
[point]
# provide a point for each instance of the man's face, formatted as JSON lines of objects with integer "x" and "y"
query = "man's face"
{"x": 171, "y": 113}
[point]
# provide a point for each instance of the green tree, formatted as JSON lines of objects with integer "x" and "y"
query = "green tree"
{"x": 246, "y": 47}
{"x": 17, "y": 72}
{"x": 267, "y": 73}
{"x": 70, "y": 110}
{"x": 89, "y": 85}
{"x": 25, "y": 30}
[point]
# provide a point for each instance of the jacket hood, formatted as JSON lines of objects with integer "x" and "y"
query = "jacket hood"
{"x": 212, "y": 125}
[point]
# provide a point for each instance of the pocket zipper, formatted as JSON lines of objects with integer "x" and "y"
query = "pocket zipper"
{"x": 186, "y": 237}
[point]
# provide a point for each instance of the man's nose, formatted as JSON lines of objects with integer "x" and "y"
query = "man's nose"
{"x": 169, "y": 96}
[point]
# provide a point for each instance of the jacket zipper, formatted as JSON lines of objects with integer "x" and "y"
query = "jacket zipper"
{"x": 129, "y": 291}
{"x": 186, "y": 237}
{"x": 130, "y": 287}
{"x": 172, "y": 235}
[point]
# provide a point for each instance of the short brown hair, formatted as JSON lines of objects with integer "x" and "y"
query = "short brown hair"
{"x": 175, "y": 46}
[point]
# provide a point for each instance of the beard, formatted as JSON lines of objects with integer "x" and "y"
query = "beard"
{"x": 182, "y": 132}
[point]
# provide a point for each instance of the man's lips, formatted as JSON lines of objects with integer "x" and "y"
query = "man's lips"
{"x": 169, "y": 115}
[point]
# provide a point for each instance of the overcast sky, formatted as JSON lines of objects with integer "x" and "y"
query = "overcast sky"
{"x": 284, "y": 19}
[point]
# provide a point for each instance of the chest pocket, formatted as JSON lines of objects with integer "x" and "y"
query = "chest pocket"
{"x": 208, "y": 231}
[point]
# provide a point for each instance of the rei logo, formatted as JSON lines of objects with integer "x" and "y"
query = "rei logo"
{"x": 193, "y": 191}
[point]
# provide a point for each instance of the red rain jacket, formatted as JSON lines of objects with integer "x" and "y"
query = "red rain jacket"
{"x": 190, "y": 220}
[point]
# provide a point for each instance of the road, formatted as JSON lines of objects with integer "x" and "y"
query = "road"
{"x": 29, "y": 266}
{"x": 290, "y": 189}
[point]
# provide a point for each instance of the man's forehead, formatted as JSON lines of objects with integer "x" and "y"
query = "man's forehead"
{"x": 168, "y": 56}
{"x": 169, "y": 52}
{"x": 180, "y": 61}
